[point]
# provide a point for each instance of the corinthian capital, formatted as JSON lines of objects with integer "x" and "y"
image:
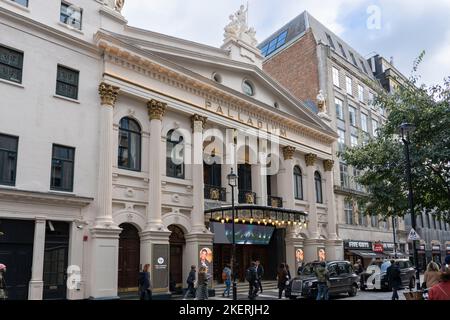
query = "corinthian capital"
{"x": 328, "y": 164}
{"x": 288, "y": 152}
{"x": 198, "y": 122}
{"x": 310, "y": 159}
{"x": 156, "y": 109}
{"x": 108, "y": 93}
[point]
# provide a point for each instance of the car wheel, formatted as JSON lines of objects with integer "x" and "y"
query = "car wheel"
{"x": 412, "y": 283}
{"x": 353, "y": 291}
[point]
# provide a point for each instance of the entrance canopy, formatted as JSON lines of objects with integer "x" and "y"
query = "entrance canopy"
{"x": 366, "y": 254}
{"x": 259, "y": 215}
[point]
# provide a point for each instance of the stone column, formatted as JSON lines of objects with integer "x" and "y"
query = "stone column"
{"x": 108, "y": 97}
{"x": 285, "y": 178}
{"x": 259, "y": 184}
{"x": 198, "y": 212}
{"x": 311, "y": 195}
{"x": 36, "y": 285}
{"x": 230, "y": 161}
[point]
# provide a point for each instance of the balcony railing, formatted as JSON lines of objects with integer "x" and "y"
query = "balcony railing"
{"x": 215, "y": 193}
{"x": 276, "y": 202}
{"x": 246, "y": 196}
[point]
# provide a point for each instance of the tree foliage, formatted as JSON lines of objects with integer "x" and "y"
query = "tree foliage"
{"x": 382, "y": 158}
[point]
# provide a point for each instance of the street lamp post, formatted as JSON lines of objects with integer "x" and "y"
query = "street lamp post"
{"x": 405, "y": 130}
{"x": 395, "y": 237}
{"x": 232, "y": 182}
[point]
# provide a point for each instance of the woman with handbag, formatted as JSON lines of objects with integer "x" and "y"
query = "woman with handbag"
{"x": 432, "y": 276}
{"x": 283, "y": 278}
{"x": 3, "y": 293}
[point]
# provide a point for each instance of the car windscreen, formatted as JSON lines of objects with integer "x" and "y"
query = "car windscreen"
{"x": 309, "y": 269}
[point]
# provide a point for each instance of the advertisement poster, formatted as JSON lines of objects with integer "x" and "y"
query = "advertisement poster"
{"x": 206, "y": 260}
{"x": 299, "y": 258}
{"x": 321, "y": 254}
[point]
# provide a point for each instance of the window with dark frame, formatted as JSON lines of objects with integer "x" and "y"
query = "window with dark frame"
{"x": 274, "y": 44}
{"x": 174, "y": 155}
{"x": 318, "y": 187}
{"x": 348, "y": 212}
{"x": 353, "y": 58}
{"x": 342, "y": 50}
{"x": 62, "y": 168}
{"x": 67, "y": 82}
{"x": 330, "y": 41}
{"x": 71, "y": 15}
{"x": 8, "y": 159}
{"x": 298, "y": 183}
{"x": 21, "y": 2}
{"x": 129, "y": 156}
{"x": 11, "y": 64}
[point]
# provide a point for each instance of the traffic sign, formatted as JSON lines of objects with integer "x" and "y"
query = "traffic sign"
{"x": 413, "y": 235}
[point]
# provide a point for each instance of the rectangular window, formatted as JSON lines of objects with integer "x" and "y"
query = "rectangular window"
{"x": 67, "y": 82}
{"x": 11, "y": 64}
{"x": 353, "y": 58}
{"x": 364, "y": 122}
{"x": 21, "y": 2}
{"x": 330, "y": 41}
{"x": 348, "y": 207}
{"x": 363, "y": 65}
{"x": 343, "y": 169}
{"x": 375, "y": 127}
{"x": 8, "y": 159}
{"x": 71, "y": 15}
{"x": 371, "y": 99}
{"x": 341, "y": 140}
{"x": 374, "y": 220}
{"x": 62, "y": 168}
{"x": 353, "y": 141}
{"x": 282, "y": 39}
{"x": 335, "y": 77}
{"x": 339, "y": 109}
{"x": 360, "y": 93}
{"x": 342, "y": 50}
{"x": 362, "y": 219}
{"x": 348, "y": 83}
{"x": 352, "y": 115}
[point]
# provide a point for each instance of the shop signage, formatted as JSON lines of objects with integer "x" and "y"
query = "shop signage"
{"x": 388, "y": 246}
{"x": 448, "y": 249}
{"x": 363, "y": 245}
{"x": 436, "y": 248}
{"x": 378, "y": 247}
{"x": 421, "y": 247}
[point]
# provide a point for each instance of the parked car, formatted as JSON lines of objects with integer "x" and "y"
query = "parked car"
{"x": 375, "y": 276}
{"x": 342, "y": 280}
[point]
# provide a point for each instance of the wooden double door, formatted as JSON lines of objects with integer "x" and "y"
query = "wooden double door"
{"x": 129, "y": 258}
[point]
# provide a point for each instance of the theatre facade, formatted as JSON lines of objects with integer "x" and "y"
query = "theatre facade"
{"x": 173, "y": 119}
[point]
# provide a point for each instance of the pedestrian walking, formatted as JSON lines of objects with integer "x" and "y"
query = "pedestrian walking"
{"x": 3, "y": 292}
{"x": 358, "y": 267}
{"x": 191, "y": 283}
{"x": 145, "y": 291}
{"x": 260, "y": 273}
{"x": 202, "y": 285}
{"x": 432, "y": 276}
{"x": 395, "y": 281}
{"x": 441, "y": 291}
{"x": 322, "y": 281}
{"x": 226, "y": 277}
{"x": 251, "y": 275}
{"x": 283, "y": 279}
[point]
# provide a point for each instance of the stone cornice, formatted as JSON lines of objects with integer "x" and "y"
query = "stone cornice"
{"x": 183, "y": 78}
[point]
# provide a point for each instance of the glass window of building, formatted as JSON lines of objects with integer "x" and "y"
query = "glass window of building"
{"x": 8, "y": 159}
{"x": 298, "y": 183}
{"x": 375, "y": 127}
{"x": 318, "y": 187}
{"x": 330, "y": 41}
{"x": 247, "y": 87}
{"x": 342, "y": 50}
{"x": 374, "y": 221}
{"x": 348, "y": 84}
{"x": 129, "y": 156}
{"x": 344, "y": 175}
{"x": 62, "y": 168}
{"x": 362, "y": 221}
{"x": 348, "y": 208}
{"x": 363, "y": 65}
{"x": 352, "y": 115}
{"x": 335, "y": 77}
{"x": 339, "y": 109}
{"x": 360, "y": 93}
{"x": 11, "y": 64}
{"x": 364, "y": 122}
{"x": 353, "y": 141}
{"x": 174, "y": 155}
{"x": 341, "y": 140}
{"x": 371, "y": 99}
{"x": 353, "y": 58}
{"x": 71, "y": 15}
{"x": 67, "y": 82}
{"x": 21, "y": 2}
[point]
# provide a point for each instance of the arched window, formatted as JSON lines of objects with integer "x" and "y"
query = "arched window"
{"x": 174, "y": 155}
{"x": 318, "y": 184}
{"x": 129, "y": 145}
{"x": 298, "y": 184}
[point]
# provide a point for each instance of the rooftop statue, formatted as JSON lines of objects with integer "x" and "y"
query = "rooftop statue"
{"x": 115, "y": 4}
{"x": 238, "y": 28}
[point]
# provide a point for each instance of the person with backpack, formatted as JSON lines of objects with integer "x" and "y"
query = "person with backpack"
{"x": 395, "y": 281}
{"x": 226, "y": 277}
{"x": 260, "y": 273}
{"x": 251, "y": 275}
{"x": 191, "y": 282}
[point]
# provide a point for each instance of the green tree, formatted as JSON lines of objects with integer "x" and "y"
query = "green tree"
{"x": 382, "y": 158}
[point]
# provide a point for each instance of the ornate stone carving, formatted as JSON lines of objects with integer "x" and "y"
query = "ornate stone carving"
{"x": 321, "y": 102}
{"x": 288, "y": 152}
{"x": 198, "y": 120}
{"x": 328, "y": 164}
{"x": 156, "y": 109}
{"x": 238, "y": 28}
{"x": 249, "y": 198}
{"x": 119, "y": 5}
{"x": 214, "y": 194}
{"x": 108, "y": 93}
{"x": 310, "y": 159}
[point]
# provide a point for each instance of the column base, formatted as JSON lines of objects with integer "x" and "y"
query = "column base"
{"x": 311, "y": 247}
{"x": 35, "y": 290}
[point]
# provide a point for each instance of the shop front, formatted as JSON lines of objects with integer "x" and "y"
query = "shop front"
{"x": 447, "y": 248}
{"x": 436, "y": 253}
{"x": 366, "y": 251}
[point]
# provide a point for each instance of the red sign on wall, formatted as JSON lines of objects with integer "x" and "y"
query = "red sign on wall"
{"x": 378, "y": 247}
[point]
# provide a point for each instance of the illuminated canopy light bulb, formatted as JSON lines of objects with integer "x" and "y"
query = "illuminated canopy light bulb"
{"x": 243, "y": 220}
{"x": 295, "y": 223}
{"x": 251, "y": 220}
{"x": 289, "y": 223}
{"x": 236, "y": 220}
{"x": 228, "y": 219}
{"x": 223, "y": 221}
{"x": 304, "y": 224}
{"x": 270, "y": 220}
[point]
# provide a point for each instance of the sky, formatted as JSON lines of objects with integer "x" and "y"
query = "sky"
{"x": 401, "y": 29}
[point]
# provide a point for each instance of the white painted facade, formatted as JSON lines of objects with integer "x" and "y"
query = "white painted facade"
{"x": 161, "y": 82}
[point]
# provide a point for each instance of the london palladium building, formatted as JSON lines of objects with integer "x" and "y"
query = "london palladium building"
{"x": 115, "y": 148}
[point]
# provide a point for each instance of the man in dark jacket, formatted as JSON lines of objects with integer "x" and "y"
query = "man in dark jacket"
{"x": 191, "y": 282}
{"x": 145, "y": 291}
{"x": 322, "y": 281}
{"x": 395, "y": 281}
{"x": 251, "y": 275}
{"x": 260, "y": 273}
